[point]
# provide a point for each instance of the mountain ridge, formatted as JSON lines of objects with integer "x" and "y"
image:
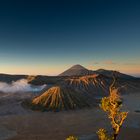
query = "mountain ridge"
{"x": 79, "y": 92}
{"x": 76, "y": 70}
{"x": 79, "y": 70}
{"x": 59, "y": 98}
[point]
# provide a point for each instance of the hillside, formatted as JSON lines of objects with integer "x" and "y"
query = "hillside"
{"x": 61, "y": 98}
{"x": 110, "y": 73}
{"x": 79, "y": 92}
{"x": 76, "y": 70}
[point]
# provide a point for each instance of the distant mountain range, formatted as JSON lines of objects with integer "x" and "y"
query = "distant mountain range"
{"x": 80, "y": 92}
{"x": 78, "y": 70}
{"x": 75, "y": 88}
{"x": 79, "y": 87}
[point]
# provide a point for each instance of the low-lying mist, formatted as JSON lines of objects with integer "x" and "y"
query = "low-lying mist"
{"x": 19, "y": 86}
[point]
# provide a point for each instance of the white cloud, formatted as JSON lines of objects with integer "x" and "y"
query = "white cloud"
{"x": 19, "y": 86}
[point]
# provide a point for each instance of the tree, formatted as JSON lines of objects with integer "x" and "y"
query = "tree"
{"x": 112, "y": 105}
{"x": 72, "y": 138}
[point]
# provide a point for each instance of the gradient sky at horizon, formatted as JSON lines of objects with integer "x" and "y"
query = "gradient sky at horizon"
{"x": 48, "y": 36}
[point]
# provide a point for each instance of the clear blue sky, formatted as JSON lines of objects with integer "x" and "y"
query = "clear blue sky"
{"x": 46, "y": 37}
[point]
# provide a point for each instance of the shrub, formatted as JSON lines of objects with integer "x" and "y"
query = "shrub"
{"x": 72, "y": 138}
{"x": 112, "y": 105}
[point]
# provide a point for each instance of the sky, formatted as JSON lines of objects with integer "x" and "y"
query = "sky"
{"x": 48, "y": 36}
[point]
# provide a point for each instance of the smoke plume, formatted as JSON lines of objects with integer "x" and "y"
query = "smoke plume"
{"x": 19, "y": 86}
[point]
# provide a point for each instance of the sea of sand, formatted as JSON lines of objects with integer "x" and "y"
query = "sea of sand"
{"x": 18, "y": 123}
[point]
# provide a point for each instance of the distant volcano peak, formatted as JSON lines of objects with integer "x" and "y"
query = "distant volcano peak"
{"x": 76, "y": 70}
{"x": 77, "y": 66}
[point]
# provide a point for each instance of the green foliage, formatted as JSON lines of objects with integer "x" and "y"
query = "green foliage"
{"x": 105, "y": 104}
{"x": 72, "y": 138}
{"x": 112, "y": 106}
{"x": 102, "y": 134}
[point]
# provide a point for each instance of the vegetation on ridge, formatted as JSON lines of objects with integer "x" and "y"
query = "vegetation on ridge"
{"x": 72, "y": 138}
{"x": 112, "y": 105}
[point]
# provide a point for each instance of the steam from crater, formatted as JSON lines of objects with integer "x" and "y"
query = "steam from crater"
{"x": 19, "y": 86}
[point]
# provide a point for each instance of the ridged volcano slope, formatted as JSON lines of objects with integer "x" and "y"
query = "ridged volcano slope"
{"x": 77, "y": 70}
{"x": 80, "y": 92}
{"x": 98, "y": 84}
{"x": 95, "y": 84}
{"x": 62, "y": 98}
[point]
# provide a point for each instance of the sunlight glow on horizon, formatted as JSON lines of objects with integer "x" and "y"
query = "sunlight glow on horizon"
{"x": 54, "y": 71}
{"x": 48, "y": 37}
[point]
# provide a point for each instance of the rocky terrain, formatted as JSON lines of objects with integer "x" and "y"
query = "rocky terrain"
{"x": 65, "y": 105}
{"x": 75, "y": 88}
{"x": 18, "y": 123}
{"x": 62, "y": 98}
{"x": 77, "y": 70}
{"x": 73, "y": 92}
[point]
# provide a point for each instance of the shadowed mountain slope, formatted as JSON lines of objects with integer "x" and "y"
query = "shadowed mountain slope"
{"x": 8, "y": 78}
{"x": 110, "y": 73}
{"x": 79, "y": 92}
{"x": 98, "y": 84}
{"x": 77, "y": 70}
{"x": 92, "y": 84}
{"x": 61, "y": 98}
